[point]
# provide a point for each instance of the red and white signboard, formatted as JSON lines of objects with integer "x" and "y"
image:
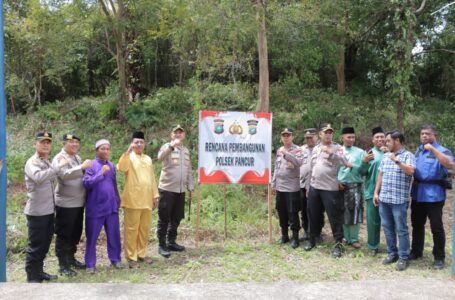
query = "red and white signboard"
{"x": 235, "y": 147}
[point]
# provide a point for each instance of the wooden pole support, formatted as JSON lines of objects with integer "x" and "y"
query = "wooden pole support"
{"x": 198, "y": 214}
{"x": 225, "y": 212}
{"x": 269, "y": 203}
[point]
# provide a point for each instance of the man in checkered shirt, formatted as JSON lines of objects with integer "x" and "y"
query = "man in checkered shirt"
{"x": 392, "y": 194}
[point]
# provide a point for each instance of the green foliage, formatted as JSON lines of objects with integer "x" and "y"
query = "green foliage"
{"x": 108, "y": 110}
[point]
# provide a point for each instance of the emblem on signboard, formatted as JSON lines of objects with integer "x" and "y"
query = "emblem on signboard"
{"x": 235, "y": 128}
{"x": 252, "y": 126}
{"x": 218, "y": 126}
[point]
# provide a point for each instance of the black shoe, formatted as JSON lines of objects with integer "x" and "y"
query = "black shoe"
{"x": 414, "y": 256}
{"x": 373, "y": 252}
{"x": 402, "y": 264}
{"x": 438, "y": 264}
{"x": 77, "y": 264}
{"x": 295, "y": 239}
{"x": 284, "y": 239}
{"x": 173, "y": 246}
{"x": 295, "y": 243}
{"x": 66, "y": 271}
{"x": 164, "y": 251}
{"x": 117, "y": 265}
{"x": 48, "y": 277}
{"x": 308, "y": 245}
{"x": 337, "y": 250}
{"x": 389, "y": 260}
{"x": 319, "y": 239}
{"x": 31, "y": 278}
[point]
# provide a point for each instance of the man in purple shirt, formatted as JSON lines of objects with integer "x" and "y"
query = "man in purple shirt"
{"x": 102, "y": 206}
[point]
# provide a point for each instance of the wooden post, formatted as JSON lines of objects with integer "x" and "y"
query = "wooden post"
{"x": 225, "y": 212}
{"x": 198, "y": 213}
{"x": 269, "y": 203}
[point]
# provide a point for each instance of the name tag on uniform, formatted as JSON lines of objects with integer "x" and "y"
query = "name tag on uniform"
{"x": 175, "y": 158}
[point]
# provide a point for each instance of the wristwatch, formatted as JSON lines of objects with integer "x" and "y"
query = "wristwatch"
{"x": 398, "y": 162}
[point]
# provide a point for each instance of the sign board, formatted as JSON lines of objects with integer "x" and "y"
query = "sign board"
{"x": 235, "y": 147}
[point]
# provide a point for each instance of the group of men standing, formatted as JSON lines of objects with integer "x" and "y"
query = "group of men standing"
{"x": 59, "y": 192}
{"x": 315, "y": 178}
{"x": 338, "y": 179}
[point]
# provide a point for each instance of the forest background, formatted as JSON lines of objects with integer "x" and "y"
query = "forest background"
{"x": 105, "y": 68}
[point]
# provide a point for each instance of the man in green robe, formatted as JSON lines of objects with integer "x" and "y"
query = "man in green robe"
{"x": 351, "y": 187}
{"x": 373, "y": 159}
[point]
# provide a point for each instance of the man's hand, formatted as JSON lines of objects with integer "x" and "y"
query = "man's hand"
{"x": 348, "y": 164}
{"x": 175, "y": 143}
{"x": 62, "y": 162}
{"x": 131, "y": 148}
{"x": 273, "y": 191}
{"x": 86, "y": 164}
{"x": 368, "y": 157}
{"x": 326, "y": 149}
{"x": 428, "y": 147}
{"x": 376, "y": 200}
{"x": 190, "y": 194}
{"x": 392, "y": 157}
{"x": 154, "y": 203}
{"x": 105, "y": 169}
{"x": 384, "y": 149}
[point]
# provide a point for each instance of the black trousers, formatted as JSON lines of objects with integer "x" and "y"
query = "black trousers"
{"x": 40, "y": 231}
{"x": 420, "y": 211}
{"x": 288, "y": 207}
{"x": 303, "y": 211}
{"x": 334, "y": 207}
{"x": 171, "y": 210}
{"x": 68, "y": 228}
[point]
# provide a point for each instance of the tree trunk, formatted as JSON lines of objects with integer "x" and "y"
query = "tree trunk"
{"x": 400, "y": 112}
{"x": 13, "y": 109}
{"x": 122, "y": 76}
{"x": 341, "y": 76}
{"x": 263, "y": 58}
{"x": 156, "y": 65}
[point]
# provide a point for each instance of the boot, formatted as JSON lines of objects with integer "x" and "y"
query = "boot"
{"x": 76, "y": 264}
{"x": 34, "y": 277}
{"x": 173, "y": 246}
{"x": 309, "y": 244}
{"x": 65, "y": 268}
{"x": 295, "y": 239}
{"x": 284, "y": 236}
{"x": 163, "y": 250}
{"x": 48, "y": 277}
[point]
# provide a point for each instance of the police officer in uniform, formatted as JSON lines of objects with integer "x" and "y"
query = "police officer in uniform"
{"x": 286, "y": 186}
{"x": 175, "y": 177}
{"x": 40, "y": 178}
{"x": 69, "y": 204}
{"x": 324, "y": 189}
{"x": 305, "y": 176}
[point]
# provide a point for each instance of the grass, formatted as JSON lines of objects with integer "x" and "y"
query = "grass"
{"x": 244, "y": 256}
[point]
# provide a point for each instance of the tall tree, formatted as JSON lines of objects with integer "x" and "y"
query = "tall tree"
{"x": 117, "y": 19}
{"x": 263, "y": 55}
{"x": 400, "y": 53}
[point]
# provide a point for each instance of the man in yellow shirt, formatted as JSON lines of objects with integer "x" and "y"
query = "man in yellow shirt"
{"x": 138, "y": 199}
